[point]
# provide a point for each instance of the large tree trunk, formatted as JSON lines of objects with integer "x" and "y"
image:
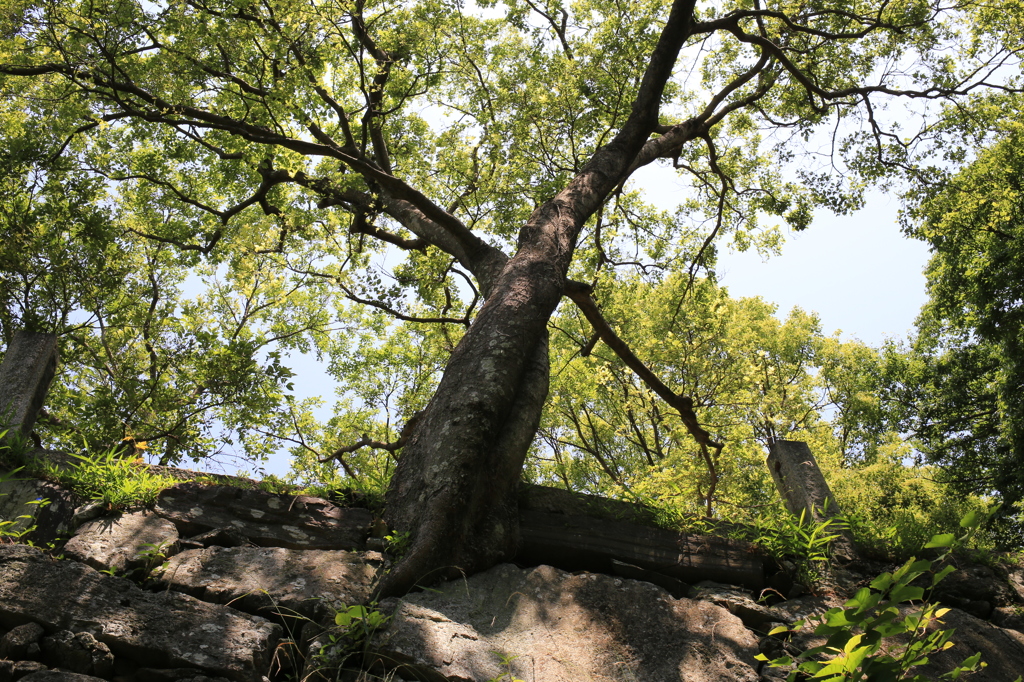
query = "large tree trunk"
{"x": 455, "y": 485}
{"x": 457, "y": 477}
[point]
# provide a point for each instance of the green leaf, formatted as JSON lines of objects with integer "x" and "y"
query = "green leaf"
{"x": 905, "y": 593}
{"x": 972, "y": 519}
{"x": 942, "y": 540}
{"x": 942, "y": 573}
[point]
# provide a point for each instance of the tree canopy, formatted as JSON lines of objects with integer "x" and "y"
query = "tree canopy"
{"x": 320, "y": 164}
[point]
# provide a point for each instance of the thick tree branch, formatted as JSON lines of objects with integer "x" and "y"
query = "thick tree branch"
{"x": 366, "y": 441}
{"x": 580, "y": 294}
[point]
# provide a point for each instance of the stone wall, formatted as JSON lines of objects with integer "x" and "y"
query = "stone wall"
{"x": 225, "y": 583}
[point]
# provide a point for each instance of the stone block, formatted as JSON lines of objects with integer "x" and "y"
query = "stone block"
{"x": 124, "y": 542}
{"x": 78, "y": 653}
{"x": 18, "y": 498}
{"x": 269, "y": 581}
{"x": 60, "y": 676}
{"x": 804, "y": 490}
{"x": 20, "y": 670}
{"x": 557, "y": 627}
{"x": 578, "y": 543}
{"x": 29, "y": 366}
{"x": 266, "y": 519}
{"x": 165, "y": 630}
{"x": 22, "y": 642}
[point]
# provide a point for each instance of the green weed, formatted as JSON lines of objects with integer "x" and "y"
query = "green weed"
{"x": 110, "y": 478}
{"x": 861, "y": 642}
{"x": 505, "y": 661}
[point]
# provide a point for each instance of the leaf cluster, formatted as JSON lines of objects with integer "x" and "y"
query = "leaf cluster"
{"x": 885, "y": 630}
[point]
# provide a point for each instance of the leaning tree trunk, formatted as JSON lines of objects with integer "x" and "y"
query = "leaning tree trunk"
{"x": 457, "y": 477}
{"x": 455, "y": 485}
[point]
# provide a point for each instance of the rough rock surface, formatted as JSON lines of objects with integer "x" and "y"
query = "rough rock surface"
{"x": 18, "y": 498}
{"x": 161, "y": 630}
{"x": 555, "y": 626}
{"x": 755, "y": 616}
{"x": 1002, "y": 650}
{"x": 272, "y": 580}
{"x": 78, "y": 653}
{"x": 16, "y": 670}
{"x": 59, "y": 676}
{"x": 974, "y": 589}
{"x": 122, "y": 542}
{"x": 22, "y": 642}
{"x": 1015, "y": 578}
{"x": 266, "y": 519}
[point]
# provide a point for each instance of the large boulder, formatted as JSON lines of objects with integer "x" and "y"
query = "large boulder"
{"x": 274, "y": 580}
{"x": 546, "y": 624}
{"x": 123, "y": 542}
{"x": 266, "y": 519}
{"x": 165, "y": 630}
{"x": 1002, "y": 650}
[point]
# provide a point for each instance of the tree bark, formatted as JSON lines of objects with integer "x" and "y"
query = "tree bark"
{"x": 455, "y": 484}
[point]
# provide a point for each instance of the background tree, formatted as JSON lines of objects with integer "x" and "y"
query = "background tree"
{"x": 491, "y": 148}
{"x": 956, "y": 388}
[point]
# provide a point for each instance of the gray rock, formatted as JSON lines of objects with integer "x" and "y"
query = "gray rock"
{"x": 12, "y": 670}
{"x": 18, "y": 497}
{"x": 17, "y": 670}
{"x": 221, "y": 537}
{"x": 1001, "y": 649}
{"x": 93, "y": 509}
{"x": 1015, "y": 578}
{"x": 274, "y": 580}
{"x": 1008, "y": 617}
{"x": 172, "y": 675}
{"x": 163, "y": 630}
{"x": 267, "y": 520}
{"x": 553, "y": 626}
{"x": 738, "y": 602}
{"x": 22, "y": 642}
{"x": 78, "y": 653}
{"x": 124, "y": 542}
{"x": 29, "y": 365}
{"x": 975, "y": 589}
{"x": 59, "y": 676}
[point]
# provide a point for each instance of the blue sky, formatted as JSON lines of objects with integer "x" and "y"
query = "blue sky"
{"x": 858, "y": 272}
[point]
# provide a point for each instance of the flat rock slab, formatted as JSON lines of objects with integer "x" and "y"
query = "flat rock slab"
{"x": 59, "y": 676}
{"x": 123, "y": 542}
{"x": 266, "y": 519}
{"x": 274, "y": 580}
{"x": 552, "y": 626}
{"x": 1001, "y": 649}
{"x": 167, "y": 629}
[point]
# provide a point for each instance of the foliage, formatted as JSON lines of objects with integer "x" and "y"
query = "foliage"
{"x": 894, "y": 507}
{"x": 110, "y": 478}
{"x": 955, "y": 388}
{"x": 802, "y": 540}
{"x": 354, "y": 626}
{"x": 505, "y": 661}
{"x": 753, "y": 377}
{"x": 229, "y": 183}
{"x": 874, "y": 637}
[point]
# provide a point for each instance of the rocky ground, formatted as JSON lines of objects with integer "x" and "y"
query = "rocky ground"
{"x": 225, "y": 583}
